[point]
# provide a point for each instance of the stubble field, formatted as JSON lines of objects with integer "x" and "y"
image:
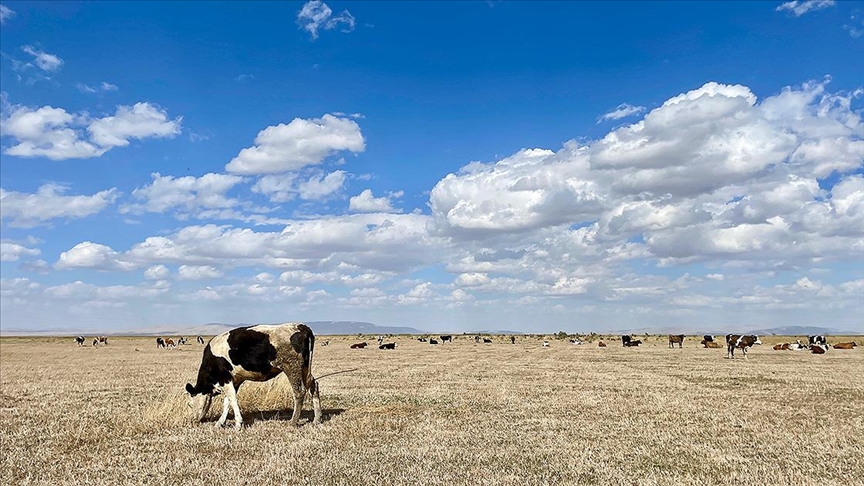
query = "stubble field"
{"x": 458, "y": 414}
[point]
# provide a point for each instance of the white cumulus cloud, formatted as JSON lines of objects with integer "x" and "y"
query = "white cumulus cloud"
{"x": 282, "y": 148}
{"x": 801, "y": 7}
{"x": 49, "y": 202}
{"x": 317, "y": 15}
{"x": 365, "y": 202}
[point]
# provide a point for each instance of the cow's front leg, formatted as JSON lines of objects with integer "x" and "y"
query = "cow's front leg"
{"x": 226, "y": 404}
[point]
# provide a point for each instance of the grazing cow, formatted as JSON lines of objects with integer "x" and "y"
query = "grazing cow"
{"x": 170, "y": 343}
{"x": 601, "y": 344}
{"x": 816, "y": 340}
{"x": 181, "y": 340}
{"x": 256, "y": 353}
{"x": 712, "y": 344}
{"x": 845, "y": 345}
{"x": 95, "y": 342}
{"x": 625, "y": 339}
{"x": 819, "y": 348}
{"x": 100, "y": 340}
{"x": 387, "y": 346}
{"x": 679, "y": 340}
{"x": 487, "y": 340}
{"x": 633, "y": 343}
{"x": 359, "y": 345}
{"x": 200, "y": 340}
{"x": 432, "y": 341}
{"x": 545, "y": 344}
{"x": 445, "y": 339}
{"x": 160, "y": 343}
{"x": 741, "y": 342}
{"x": 79, "y": 340}
{"x": 512, "y": 339}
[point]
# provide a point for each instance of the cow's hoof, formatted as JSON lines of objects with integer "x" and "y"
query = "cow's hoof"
{"x": 219, "y": 425}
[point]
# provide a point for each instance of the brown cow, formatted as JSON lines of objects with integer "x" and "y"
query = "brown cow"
{"x": 712, "y": 344}
{"x": 170, "y": 343}
{"x": 601, "y": 344}
{"x": 845, "y": 345}
{"x": 818, "y": 348}
{"x": 779, "y": 347}
{"x": 741, "y": 342}
{"x": 359, "y": 345}
{"x": 676, "y": 339}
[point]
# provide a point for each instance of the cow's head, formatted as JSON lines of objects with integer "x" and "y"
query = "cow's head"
{"x": 756, "y": 340}
{"x": 199, "y": 402}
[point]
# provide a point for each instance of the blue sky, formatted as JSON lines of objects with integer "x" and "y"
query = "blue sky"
{"x": 449, "y": 166}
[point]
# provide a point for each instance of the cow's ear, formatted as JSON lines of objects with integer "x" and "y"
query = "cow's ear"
{"x": 191, "y": 389}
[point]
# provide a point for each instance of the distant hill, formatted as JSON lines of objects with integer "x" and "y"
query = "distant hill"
{"x": 806, "y": 331}
{"x": 319, "y": 327}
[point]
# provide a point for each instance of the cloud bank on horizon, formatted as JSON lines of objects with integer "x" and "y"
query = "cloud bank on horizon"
{"x": 717, "y": 205}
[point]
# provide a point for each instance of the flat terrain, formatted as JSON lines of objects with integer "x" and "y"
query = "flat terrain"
{"x": 455, "y": 414}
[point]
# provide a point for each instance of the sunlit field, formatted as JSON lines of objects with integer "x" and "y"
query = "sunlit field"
{"x": 460, "y": 413}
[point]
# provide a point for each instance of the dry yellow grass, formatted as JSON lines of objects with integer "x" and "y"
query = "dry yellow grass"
{"x": 464, "y": 413}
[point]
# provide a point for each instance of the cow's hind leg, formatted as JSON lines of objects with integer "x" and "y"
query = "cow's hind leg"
{"x": 312, "y": 386}
{"x": 299, "y": 393}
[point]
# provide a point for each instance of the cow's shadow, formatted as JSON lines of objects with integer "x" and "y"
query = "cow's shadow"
{"x": 306, "y": 416}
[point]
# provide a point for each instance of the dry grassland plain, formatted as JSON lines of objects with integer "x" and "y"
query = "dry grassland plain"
{"x": 455, "y": 414}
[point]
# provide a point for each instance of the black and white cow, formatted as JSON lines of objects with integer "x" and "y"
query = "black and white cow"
{"x": 487, "y": 340}
{"x": 625, "y": 339}
{"x": 812, "y": 340}
{"x": 200, "y": 340}
{"x": 432, "y": 341}
{"x": 181, "y": 340}
{"x": 741, "y": 342}
{"x": 160, "y": 343}
{"x": 707, "y": 338}
{"x": 79, "y": 340}
{"x": 256, "y": 353}
{"x": 387, "y": 346}
{"x": 446, "y": 339}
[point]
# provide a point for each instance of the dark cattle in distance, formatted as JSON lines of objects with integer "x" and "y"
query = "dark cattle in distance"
{"x": 741, "y": 342}
{"x": 512, "y": 339}
{"x": 387, "y": 346}
{"x": 633, "y": 343}
{"x": 819, "y": 348}
{"x": 79, "y": 340}
{"x": 446, "y": 339}
{"x": 487, "y": 340}
{"x": 845, "y": 345}
{"x": 200, "y": 340}
{"x": 95, "y": 341}
{"x": 432, "y": 341}
{"x": 707, "y": 338}
{"x": 676, "y": 339}
{"x": 358, "y": 345}
{"x": 422, "y": 340}
{"x": 601, "y": 344}
{"x": 160, "y": 343}
{"x": 181, "y": 340}
{"x": 625, "y": 339}
{"x": 256, "y": 353}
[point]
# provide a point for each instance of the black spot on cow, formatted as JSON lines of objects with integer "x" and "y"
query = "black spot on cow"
{"x": 252, "y": 351}
{"x": 214, "y": 370}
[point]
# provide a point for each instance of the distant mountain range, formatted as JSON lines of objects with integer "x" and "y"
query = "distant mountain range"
{"x": 357, "y": 327}
{"x": 319, "y": 327}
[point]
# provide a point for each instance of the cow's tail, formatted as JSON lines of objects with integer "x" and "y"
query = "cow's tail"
{"x": 308, "y": 351}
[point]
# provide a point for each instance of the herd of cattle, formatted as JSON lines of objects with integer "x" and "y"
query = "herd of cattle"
{"x": 96, "y": 340}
